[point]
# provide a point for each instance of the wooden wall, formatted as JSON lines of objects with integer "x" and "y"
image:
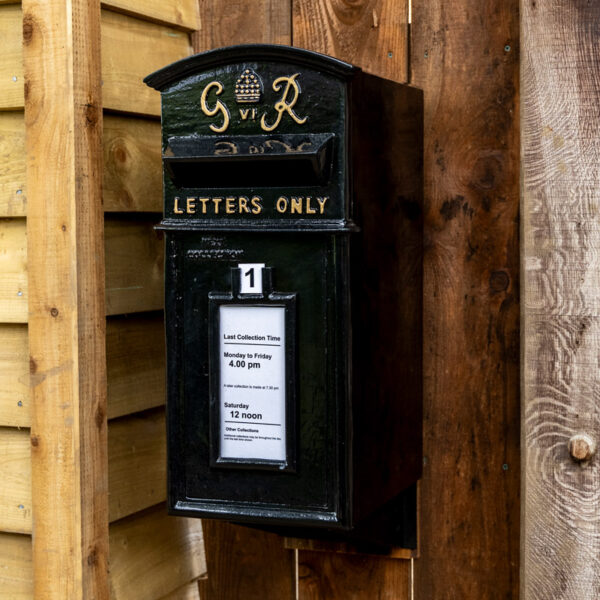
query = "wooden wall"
{"x": 465, "y": 56}
{"x": 82, "y": 439}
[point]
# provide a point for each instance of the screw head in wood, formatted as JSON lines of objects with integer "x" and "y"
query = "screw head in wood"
{"x": 582, "y": 447}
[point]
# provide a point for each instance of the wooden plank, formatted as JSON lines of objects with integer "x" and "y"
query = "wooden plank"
{"x": 132, "y": 49}
{"x": 152, "y": 554}
{"x": 187, "y": 592}
{"x": 15, "y": 474}
{"x": 16, "y": 567}
{"x": 13, "y": 201}
{"x": 137, "y": 459}
{"x": 372, "y": 34}
{"x": 246, "y": 564}
{"x": 243, "y": 22}
{"x": 132, "y": 165}
{"x": 347, "y": 548}
{"x": 182, "y": 14}
{"x": 134, "y": 267}
{"x": 333, "y": 576}
{"x": 11, "y": 65}
{"x": 135, "y": 362}
{"x": 13, "y": 271}
{"x": 464, "y": 56}
{"x": 63, "y": 121}
{"x": 14, "y": 376}
{"x": 561, "y": 297}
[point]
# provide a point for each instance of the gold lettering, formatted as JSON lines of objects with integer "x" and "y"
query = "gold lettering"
{"x": 257, "y": 206}
{"x": 203, "y": 201}
{"x": 244, "y": 204}
{"x": 322, "y": 202}
{"x": 244, "y": 112}
{"x": 190, "y": 206}
{"x": 282, "y": 204}
{"x": 254, "y": 114}
{"x": 176, "y": 209}
{"x": 218, "y": 108}
{"x": 309, "y": 209}
{"x": 229, "y": 208}
{"x": 296, "y": 205}
{"x": 285, "y": 104}
{"x": 216, "y": 202}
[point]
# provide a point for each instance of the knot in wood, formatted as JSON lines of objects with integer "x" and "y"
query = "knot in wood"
{"x": 582, "y": 447}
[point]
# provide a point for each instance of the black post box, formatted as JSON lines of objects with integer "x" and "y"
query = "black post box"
{"x": 292, "y": 187}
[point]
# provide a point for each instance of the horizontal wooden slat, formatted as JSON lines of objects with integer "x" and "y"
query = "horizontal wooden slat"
{"x": 12, "y": 164}
{"x": 137, "y": 460}
{"x": 132, "y": 164}
{"x": 13, "y": 267}
{"x": 14, "y": 376}
{"x": 152, "y": 554}
{"x": 16, "y": 567}
{"x": 179, "y": 13}
{"x": 11, "y": 62}
{"x": 15, "y": 475}
{"x": 132, "y": 49}
{"x": 187, "y": 592}
{"x": 135, "y": 356}
{"x": 134, "y": 267}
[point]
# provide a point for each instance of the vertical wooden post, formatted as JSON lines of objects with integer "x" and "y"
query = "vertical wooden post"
{"x": 561, "y": 298}
{"x": 66, "y": 298}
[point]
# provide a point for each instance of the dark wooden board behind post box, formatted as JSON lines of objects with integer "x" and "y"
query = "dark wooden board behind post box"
{"x": 284, "y": 157}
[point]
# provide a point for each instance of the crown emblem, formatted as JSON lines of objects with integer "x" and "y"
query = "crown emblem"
{"x": 248, "y": 87}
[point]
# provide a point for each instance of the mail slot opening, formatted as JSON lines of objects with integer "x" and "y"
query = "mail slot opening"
{"x": 249, "y": 161}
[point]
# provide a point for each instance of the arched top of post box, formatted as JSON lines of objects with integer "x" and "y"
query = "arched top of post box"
{"x": 198, "y": 63}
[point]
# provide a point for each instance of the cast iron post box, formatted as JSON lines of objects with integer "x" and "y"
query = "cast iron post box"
{"x": 292, "y": 189}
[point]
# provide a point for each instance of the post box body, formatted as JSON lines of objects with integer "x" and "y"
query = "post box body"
{"x": 292, "y": 216}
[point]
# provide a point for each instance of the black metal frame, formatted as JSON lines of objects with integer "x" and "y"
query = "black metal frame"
{"x": 268, "y": 298}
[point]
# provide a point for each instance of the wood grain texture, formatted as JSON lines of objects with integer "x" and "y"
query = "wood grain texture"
{"x": 246, "y": 564}
{"x": 63, "y": 120}
{"x": 14, "y": 376}
{"x": 134, "y": 266}
{"x": 132, "y": 49}
{"x": 13, "y": 201}
{"x": 15, "y": 475}
{"x": 135, "y": 362}
{"x": 11, "y": 65}
{"x": 137, "y": 459}
{"x": 561, "y": 297}
{"x": 243, "y": 22}
{"x": 189, "y": 591}
{"x": 16, "y": 567}
{"x": 13, "y": 271}
{"x": 152, "y": 555}
{"x": 182, "y": 14}
{"x": 132, "y": 165}
{"x": 372, "y": 34}
{"x": 465, "y": 57}
{"x": 331, "y": 576}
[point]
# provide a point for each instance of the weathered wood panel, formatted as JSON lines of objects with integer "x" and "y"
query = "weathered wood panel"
{"x": 134, "y": 267}
{"x": 132, "y": 165}
{"x": 15, "y": 475}
{"x": 132, "y": 49}
{"x": 179, "y": 13}
{"x": 13, "y": 201}
{"x": 152, "y": 554}
{"x": 372, "y": 34}
{"x": 243, "y": 22}
{"x": 137, "y": 459}
{"x": 246, "y": 564}
{"x": 14, "y": 376}
{"x": 187, "y": 592}
{"x": 135, "y": 361}
{"x": 63, "y": 120}
{"x": 465, "y": 57}
{"x": 11, "y": 65}
{"x": 561, "y": 297}
{"x": 16, "y": 567}
{"x": 13, "y": 271}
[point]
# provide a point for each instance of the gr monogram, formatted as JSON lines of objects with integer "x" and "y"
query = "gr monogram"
{"x": 249, "y": 90}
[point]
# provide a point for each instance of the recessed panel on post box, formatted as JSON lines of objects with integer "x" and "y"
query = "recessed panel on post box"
{"x": 292, "y": 187}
